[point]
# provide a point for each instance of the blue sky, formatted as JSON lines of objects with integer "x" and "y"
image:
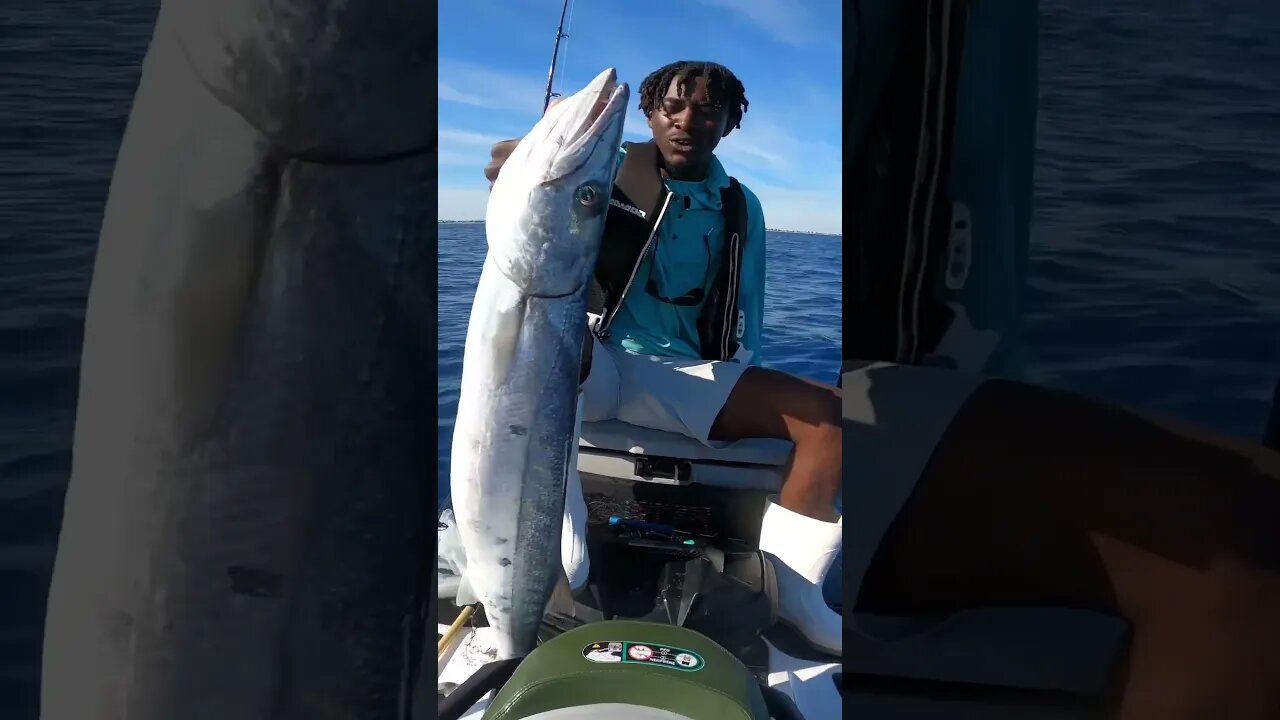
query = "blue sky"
{"x": 494, "y": 56}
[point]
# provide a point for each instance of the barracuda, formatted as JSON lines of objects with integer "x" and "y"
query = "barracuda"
{"x": 247, "y": 522}
{"x": 516, "y": 410}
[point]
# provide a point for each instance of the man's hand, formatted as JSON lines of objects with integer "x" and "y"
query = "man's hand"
{"x": 497, "y": 156}
{"x": 501, "y": 151}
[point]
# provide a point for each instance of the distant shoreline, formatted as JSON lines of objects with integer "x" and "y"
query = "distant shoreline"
{"x": 777, "y": 230}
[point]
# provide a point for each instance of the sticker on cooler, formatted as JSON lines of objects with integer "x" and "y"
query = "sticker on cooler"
{"x": 603, "y": 652}
{"x": 634, "y": 653}
{"x": 639, "y": 652}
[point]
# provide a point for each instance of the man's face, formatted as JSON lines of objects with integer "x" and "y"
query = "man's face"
{"x": 687, "y": 128}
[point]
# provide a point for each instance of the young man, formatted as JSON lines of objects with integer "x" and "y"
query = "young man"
{"x": 677, "y": 303}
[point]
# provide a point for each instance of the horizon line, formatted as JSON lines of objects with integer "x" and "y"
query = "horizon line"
{"x": 768, "y": 229}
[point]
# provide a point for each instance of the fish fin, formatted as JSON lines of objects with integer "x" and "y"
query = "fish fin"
{"x": 451, "y": 559}
{"x": 561, "y": 601}
{"x": 466, "y": 595}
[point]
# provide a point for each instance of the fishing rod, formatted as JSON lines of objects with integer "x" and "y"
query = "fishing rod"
{"x": 555, "y": 53}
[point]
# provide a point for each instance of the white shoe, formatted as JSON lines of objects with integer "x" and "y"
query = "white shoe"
{"x": 802, "y": 550}
{"x": 573, "y": 534}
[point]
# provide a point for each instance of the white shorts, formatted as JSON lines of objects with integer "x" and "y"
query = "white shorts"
{"x": 674, "y": 395}
{"x": 894, "y": 418}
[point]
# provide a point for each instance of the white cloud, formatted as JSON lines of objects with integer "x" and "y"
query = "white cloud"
{"x": 763, "y": 144}
{"x": 786, "y": 21}
{"x": 452, "y": 136}
{"x": 464, "y": 147}
{"x": 636, "y": 124}
{"x": 795, "y": 175}
{"x": 468, "y": 83}
{"x": 457, "y": 158}
{"x": 768, "y": 146}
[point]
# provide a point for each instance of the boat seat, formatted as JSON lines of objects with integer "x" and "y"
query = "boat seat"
{"x": 618, "y": 436}
{"x": 613, "y": 448}
{"x": 1030, "y": 648}
{"x": 997, "y": 654}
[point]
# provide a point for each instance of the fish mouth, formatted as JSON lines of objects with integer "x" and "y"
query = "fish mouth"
{"x": 607, "y": 103}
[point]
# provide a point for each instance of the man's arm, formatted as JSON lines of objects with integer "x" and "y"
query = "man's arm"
{"x": 751, "y": 293}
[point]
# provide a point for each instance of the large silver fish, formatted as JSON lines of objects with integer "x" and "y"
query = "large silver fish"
{"x": 246, "y": 523}
{"x": 518, "y": 396}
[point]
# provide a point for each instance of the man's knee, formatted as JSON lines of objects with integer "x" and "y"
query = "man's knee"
{"x": 821, "y": 427}
{"x": 817, "y": 406}
{"x": 803, "y": 411}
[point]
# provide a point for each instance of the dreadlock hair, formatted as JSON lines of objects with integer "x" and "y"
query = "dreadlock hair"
{"x": 722, "y": 85}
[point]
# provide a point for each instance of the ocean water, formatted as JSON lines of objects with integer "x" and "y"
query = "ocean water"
{"x": 801, "y": 311}
{"x": 1155, "y": 274}
{"x": 1155, "y": 261}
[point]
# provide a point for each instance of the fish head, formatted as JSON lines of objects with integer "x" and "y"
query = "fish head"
{"x": 547, "y": 207}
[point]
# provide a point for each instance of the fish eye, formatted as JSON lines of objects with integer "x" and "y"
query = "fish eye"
{"x": 587, "y": 195}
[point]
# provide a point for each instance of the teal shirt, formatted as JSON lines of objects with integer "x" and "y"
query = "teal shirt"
{"x": 684, "y": 256}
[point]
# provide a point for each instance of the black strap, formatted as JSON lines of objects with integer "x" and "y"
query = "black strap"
{"x": 736, "y": 220}
{"x": 734, "y": 203}
{"x": 634, "y": 206}
{"x": 901, "y": 201}
{"x": 719, "y": 320}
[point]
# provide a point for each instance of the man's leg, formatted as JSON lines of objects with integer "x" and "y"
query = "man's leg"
{"x": 801, "y": 533}
{"x": 1041, "y": 497}
{"x": 772, "y": 404}
{"x": 720, "y": 401}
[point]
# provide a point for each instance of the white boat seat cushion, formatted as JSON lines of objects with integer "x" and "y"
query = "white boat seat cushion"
{"x": 617, "y": 436}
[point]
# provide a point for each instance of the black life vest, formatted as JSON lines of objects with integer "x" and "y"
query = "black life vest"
{"x": 639, "y": 202}
{"x": 901, "y": 207}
